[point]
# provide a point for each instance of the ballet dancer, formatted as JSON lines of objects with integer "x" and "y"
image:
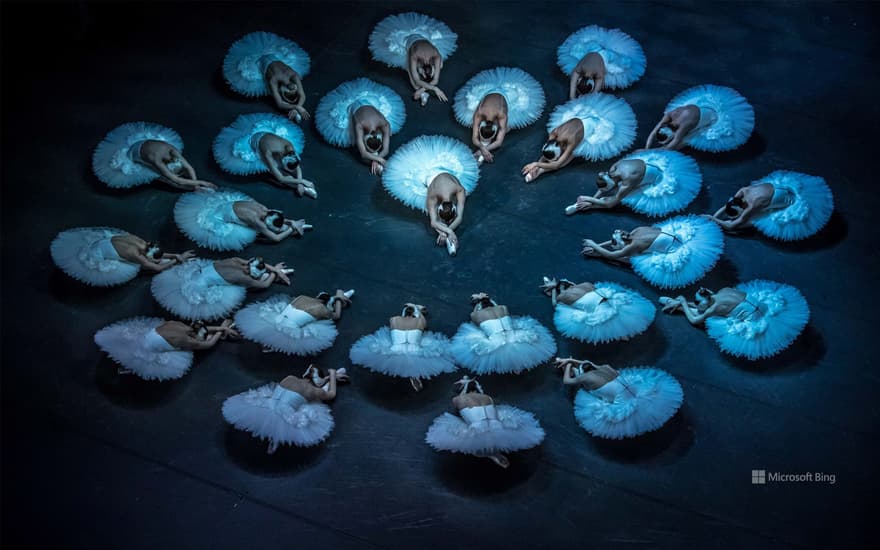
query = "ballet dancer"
{"x": 596, "y": 58}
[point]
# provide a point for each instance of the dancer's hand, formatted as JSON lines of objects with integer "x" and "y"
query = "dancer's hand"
{"x": 582, "y": 203}
{"x": 298, "y": 110}
{"x": 376, "y": 167}
{"x": 440, "y": 95}
{"x": 417, "y": 95}
{"x": 299, "y": 226}
{"x": 340, "y": 296}
{"x": 487, "y": 155}
{"x": 532, "y": 171}
{"x": 549, "y": 285}
{"x": 184, "y": 256}
{"x": 281, "y": 271}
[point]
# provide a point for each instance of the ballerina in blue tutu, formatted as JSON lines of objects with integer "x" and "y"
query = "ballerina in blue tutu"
{"x": 137, "y": 153}
{"x": 652, "y": 182}
{"x": 495, "y": 101}
{"x": 362, "y": 113}
{"x": 787, "y": 206}
{"x": 755, "y": 320}
{"x": 263, "y": 63}
{"x": 596, "y": 58}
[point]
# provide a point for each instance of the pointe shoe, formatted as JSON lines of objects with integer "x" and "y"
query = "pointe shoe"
{"x": 571, "y": 209}
{"x": 311, "y": 192}
{"x": 664, "y": 300}
{"x": 307, "y": 226}
{"x": 528, "y": 178}
{"x": 451, "y": 248}
{"x": 424, "y": 98}
{"x": 500, "y": 460}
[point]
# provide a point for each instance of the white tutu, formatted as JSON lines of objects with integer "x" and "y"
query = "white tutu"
{"x": 414, "y": 166}
{"x": 392, "y": 37}
{"x": 116, "y": 164}
{"x": 767, "y": 322}
{"x": 244, "y": 66}
{"x": 609, "y": 124}
{"x": 207, "y": 218}
{"x": 678, "y": 184}
{"x": 622, "y": 314}
{"x": 514, "y": 430}
{"x": 271, "y": 413}
{"x": 87, "y": 254}
{"x": 333, "y": 116}
{"x": 646, "y": 399}
{"x": 236, "y": 154}
{"x": 524, "y": 96}
{"x": 735, "y": 117}
{"x": 425, "y": 358}
{"x": 194, "y": 290}
{"x": 264, "y": 323}
{"x": 524, "y": 345}
{"x": 679, "y": 261}
{"x": 808, "y": 213}
{"x": 134, "y": 344}
{"x": 623, "y": 56}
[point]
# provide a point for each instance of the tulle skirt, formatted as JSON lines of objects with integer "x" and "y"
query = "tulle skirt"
{"x": 206, "y": 218}
{"x": 232, "y": 147}
{"x": 524, "y": 347}
{"x": 428, "y": 358}
{"x": 245, "y": 64}
{"x": 808, "y": 214}
{"x": 736, "y": 118}
{"x": 194, "y": 290}
{"x": 388, "y": 41}
{"x": 515, "y": 430}
{"x": 333, "y": 116}
{"x": 609, "y": 124}
{"x": 261, "y": 322}
{"x": 623, "y": 314}
{"x": 78, "y": 253}
{"x": 678, "y": 186}
{"x": 523, "y": 94}
{"x": 624, "y": 58}
{"x": 112, "y": 160}
{"x": 699, "y": 247}
{"x": 125, "y": 341}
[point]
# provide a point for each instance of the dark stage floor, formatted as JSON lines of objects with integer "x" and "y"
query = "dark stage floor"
{"x": 95, "y": 459}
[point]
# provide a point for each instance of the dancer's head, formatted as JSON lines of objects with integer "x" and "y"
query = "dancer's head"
{"x": 482, "y": 300}
{"x": 199, "y": 330}
{"x": 374, "y": 141}
{"x": 290, "y": 91}
{"x": 446, "y": 210}
{"x": 153, "y": 252}
{"x": 551, "y": 150}
{"x": 426, "y": 70}
{"x": 468, "y": 385}
{"x": 414, "y": 310}
{"x": 621, "y": 238}
{"x": 585, "y": 85}
{"x": 488, "y": 130}
{"x": 289, "y": 162}
{"x": 734, "y": 206}
{"x": 665, "y": 134}
{"x": 314, "y": 375}
{"x": 274, "y": 220}
{"x": 324, "y": 297}
{"x": 257, "y": 267}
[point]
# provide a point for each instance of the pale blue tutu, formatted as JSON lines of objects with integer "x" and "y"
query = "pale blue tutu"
{"x": 808, "y": 212}
{"x": 414, "y": 166}
{"x": 523, "y": 346}
{"x": 676, "y": 262}
{"x": 619, "y": 315}
{"x": 609, "y": 124}
{"x": 207, "y": 218}
{"x": 735, "y": 118}
{"x": 768, "y": 321}
{"x": 425, "y": 358}
{"x": 677, "y": 185}
{"x": 624, "y": 58}
{"x": 523, "y": 94}
{"x": 514, "y": 430}
{"x": 118, "y": 165}
{"x": 130, "y": 344}
{"x": 244, "y": 66}
{"x": 265, "y": 323}
{"x": 333, "y": 116}
{"x": 233, "y": 147}
{"x": 87, "y": 254}
{"x": 642, "y": 400}
{"x": 392, "y": 37}
{"x": 194, "y": 290}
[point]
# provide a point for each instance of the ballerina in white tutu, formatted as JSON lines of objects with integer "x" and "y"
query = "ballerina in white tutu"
{"x": 418, "y": 44}
{"x": 670, "y": 254}
{"x": 405, "y": 348}
{"x": 598, "y": 313}
{"x": 434, "y": 174}
{"x": 106, "y": 256}
{"x": 496, "y": 342}
{"x": 229, "y": 220}
{"x": 621, "y": 404}
{"x": 593, "y": 127}
{"x": 362, "y": 113}
{"x": 155, "y": 349}
{"x": 290, "y": 413}
{"x": 263, "y": 63}
{"x": 598, "y": 58}
{"x": 137, "y": 153}
{"x": 495, "y": 101}
{"x": 264, "y": 143}
{"x": 708, "y": 118}
{"x": 483, "y": 428}
{"x": 755, "y": 320}
{"x": 653, "y": 182}
{"x": 211, "y": 289}
{"x": 788, "y": 206}
{"x": 303, "y": 325}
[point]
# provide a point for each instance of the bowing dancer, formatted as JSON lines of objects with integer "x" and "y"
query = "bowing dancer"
{"x": 596, "y": 58}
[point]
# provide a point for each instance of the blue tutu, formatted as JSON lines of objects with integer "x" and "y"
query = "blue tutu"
{"x": 686, "y": 250}
{"x": 611, "y": 312}
{"x": 609, "y": 124}
{"x": 117, "y": 163}
{"x": 523, "y": 94}
{"x": 726, "y": 118}
{"x": 506, "y": 345}
{"x": 244, "y": 66}
{"x": 671, "y": 182}
{"x": 765, "y": 323}
{"x": 233, "y": 147}
{"x": 414, "y": 166}
{"x": 493, "y": 429}
{"x": 135, "y": 344}
{"x": 208, "y": 219}
{"x": 404, "y": 353}
{"x": 87, "y": 254}
{"x": 639, "y": 400}
{"x": 392, "y": 37}
{"x": 624, "y": 59}
{"x": 278, "y": 326}
{"x": 333, "y": 116}
{"x": 194, "y": 290}
{"x": 810, "y": 205}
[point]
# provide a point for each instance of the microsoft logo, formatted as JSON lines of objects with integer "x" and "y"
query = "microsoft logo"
{"x": 759, "y": 477}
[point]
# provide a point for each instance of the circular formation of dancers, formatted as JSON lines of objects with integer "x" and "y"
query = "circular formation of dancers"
{"x": 437, "y": 174}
